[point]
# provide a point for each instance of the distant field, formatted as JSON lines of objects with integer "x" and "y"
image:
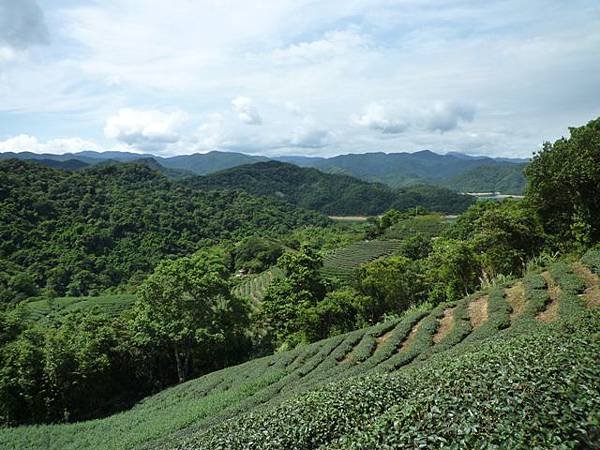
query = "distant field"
{"x": 112, "y": 304}
{"x": 254, "y": 287}
{"x": 343, "y": 262}
{"x": 349, "y": 218}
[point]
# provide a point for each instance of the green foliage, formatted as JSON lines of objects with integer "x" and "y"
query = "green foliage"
{"x": 326, "y": 192}
{"x": 186, "y": 308}
{"x": 338, "y": 312}
{"x": 44, "y": 308}
{"x": 393, "y": 284}
{"x": 504, "y": 178}
{"x": 428, "y": 226}
{"x": 504, "y": 234}
{"x": 80, "y": 233}
{"x": 498, "y": 312}
{"x": 343, "y": 263}
{"x": 408, "y": 169}
{"x": 452, "y": 270}
{"x": 564, "y": 183}
{"x": 592, "y": 260}
{"x": 311, "y": 396}
{"x": 461, "y": 328}
{"x": 255, "y": 254}
{"x": 68, "y": 369}
{"x": 254, "y": 287}
{"x": 570, "y": 287}
{"x": 287, "y": 299}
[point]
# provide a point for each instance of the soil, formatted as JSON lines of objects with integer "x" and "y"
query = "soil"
{"x": 446, "y": 324}
{"x": 478, "y": 311}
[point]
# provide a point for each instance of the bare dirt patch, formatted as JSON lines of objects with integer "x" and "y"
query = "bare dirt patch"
{"x": 381, "y": 339}
{"x": 478, "y": 311}
{"x": 445, "y": 325}
{"x": 515, "y": 295}
{"x": 592, "y": 283}
{"x": 550, "y": 314}
{"x": 348, "y": 358}
{"x": 411, "y": 337}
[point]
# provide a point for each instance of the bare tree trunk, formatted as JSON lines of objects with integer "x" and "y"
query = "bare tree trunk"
{"x": 180, "y": 369}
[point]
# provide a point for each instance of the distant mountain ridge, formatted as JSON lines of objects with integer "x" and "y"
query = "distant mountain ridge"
{"x": 328, "y": 193}
{"x": 454, "y": 170}
{"x": 197, "y": 163}
{"x": 406, "y": 169}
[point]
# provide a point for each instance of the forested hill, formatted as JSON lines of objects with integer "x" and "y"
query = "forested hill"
{"x": 406, "y": 169}
{"x": 454, "y": 170}
{"x": 78, "y": 233}
{"x": 507, "y": 179}
{"x": 328, "y": 193}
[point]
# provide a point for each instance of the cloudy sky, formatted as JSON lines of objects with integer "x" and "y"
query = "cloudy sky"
{"x": 301, "y": 77}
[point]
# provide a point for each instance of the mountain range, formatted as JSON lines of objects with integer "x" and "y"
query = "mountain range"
{"x": 457, "y": 171}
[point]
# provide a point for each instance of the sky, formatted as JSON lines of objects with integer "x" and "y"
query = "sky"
{"x": 296, "y": 77}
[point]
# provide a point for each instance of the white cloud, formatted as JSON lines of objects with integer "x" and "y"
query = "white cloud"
{"x": 148, "y": 130}
{"x": 444, "y": 116}
{"x": 306, "y": 137}
{"x": 246, "y": 111}
{"x": 7, "y": 54}
{"x": 376, "y": 118}
{"x": 333, "y": 44}
{"x": 27, "y": 143}
{"x": 525, "y": 66}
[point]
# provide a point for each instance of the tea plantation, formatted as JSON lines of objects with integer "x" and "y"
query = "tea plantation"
{"x": 516, "y": 366}
{"x": 343, "y": 262}
{"x": 46, "y": 308}
{"x": 255, "y": 286}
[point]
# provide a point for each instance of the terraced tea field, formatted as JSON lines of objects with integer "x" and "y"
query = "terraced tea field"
{"x": 534, "y": 384}
{"x": 343, "y": 262}
{"x": 254, "y": 287}
{"x": 112, "y": 304}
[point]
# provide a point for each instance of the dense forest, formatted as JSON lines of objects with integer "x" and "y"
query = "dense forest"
{"x": 81, "y": 233}
{"x": 183, "y": 251}
{"x": 329, "y": 193}
{"x": 507, "y": 179}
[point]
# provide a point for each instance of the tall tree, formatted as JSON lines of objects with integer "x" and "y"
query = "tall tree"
{"x": 288, "y": 298}
{"x": 564, "y": 185}
{"x": 186, "y": 306}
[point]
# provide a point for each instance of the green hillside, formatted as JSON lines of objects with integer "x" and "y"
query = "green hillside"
{"x": 507, "y": 179}
{"x": 49, "y": 308}
{"x": 198, "y": 163}
{"x": 473, "y": 373}
{"x": 76, "y": 233}
{"x": 407, "y": 169}
{"x": 254, "y": 286}
{"x": 328, "y": 193}
{"x": 343, "y": 262}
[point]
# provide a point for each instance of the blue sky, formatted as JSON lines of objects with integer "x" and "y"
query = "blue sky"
{"x": 300, "y": 77}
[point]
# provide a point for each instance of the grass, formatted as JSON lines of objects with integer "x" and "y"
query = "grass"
{"x": 343, "y": 262}
{"x": 520, "y": 384}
